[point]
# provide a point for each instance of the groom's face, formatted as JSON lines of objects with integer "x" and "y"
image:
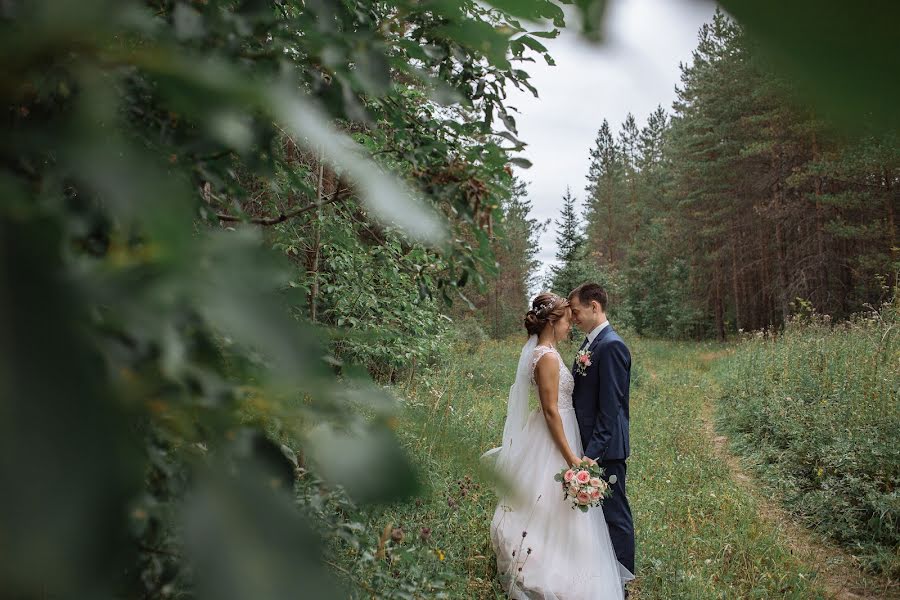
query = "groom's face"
{"x": 585, "y": 316}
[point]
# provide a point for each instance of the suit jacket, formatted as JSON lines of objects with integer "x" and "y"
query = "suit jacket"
{"x": 601, "y": 399}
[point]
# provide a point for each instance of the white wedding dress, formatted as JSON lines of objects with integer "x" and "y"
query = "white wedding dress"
{"x": 546, "y": 550}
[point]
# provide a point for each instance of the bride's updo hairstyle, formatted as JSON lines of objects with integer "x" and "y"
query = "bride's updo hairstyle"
{"x": 546, "y": 308}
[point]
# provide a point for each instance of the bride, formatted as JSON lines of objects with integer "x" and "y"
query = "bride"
{"x": 545, "y": 549}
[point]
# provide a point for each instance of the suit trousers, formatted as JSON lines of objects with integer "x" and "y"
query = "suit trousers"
{"x": 617, "y": 513}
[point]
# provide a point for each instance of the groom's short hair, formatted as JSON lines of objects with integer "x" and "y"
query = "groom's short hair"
{"x": 586, "y": 292}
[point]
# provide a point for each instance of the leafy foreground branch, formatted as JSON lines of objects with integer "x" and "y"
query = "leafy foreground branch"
{"x": 155, "y": 362}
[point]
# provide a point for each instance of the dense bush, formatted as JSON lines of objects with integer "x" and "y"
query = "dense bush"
{"x": 369, "y": 294}
{"x": 817, "y": 410}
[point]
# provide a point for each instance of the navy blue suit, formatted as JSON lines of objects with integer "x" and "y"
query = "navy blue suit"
{"x": 601, "y": 406}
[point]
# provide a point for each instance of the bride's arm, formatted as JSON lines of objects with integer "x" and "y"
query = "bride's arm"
{"x": 546, "y": 375}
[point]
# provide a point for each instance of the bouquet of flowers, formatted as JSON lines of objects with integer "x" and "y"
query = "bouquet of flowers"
{"x": 583, "y": 485}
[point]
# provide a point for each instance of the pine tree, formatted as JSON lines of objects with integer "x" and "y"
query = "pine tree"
{"x": 629, "y": 140}
{"x": 744, "y": 202}
{"x": 606, "y": 208}
{"x": 571, "y": 269}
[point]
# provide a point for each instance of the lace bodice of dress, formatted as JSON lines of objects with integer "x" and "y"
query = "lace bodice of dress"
{"x": 566, "y": 380}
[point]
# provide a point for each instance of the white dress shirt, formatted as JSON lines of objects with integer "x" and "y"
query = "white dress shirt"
{"x": 595, "y": 332}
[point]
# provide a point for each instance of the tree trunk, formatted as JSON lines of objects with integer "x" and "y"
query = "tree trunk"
{"x": 779, "y": 215}
{"x": 718, "y": 308}
{"x": 735, "y": 287}
{"x": 891, "y": 225}
{"x": 765, "y": 287}
{"x": 824, "y": 285}
{"x": 317, "y": 241}
{"x": 609, "y": 224}
{"x": 781, "y": 268}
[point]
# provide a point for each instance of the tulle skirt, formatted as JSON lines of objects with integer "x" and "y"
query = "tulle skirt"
{"x": 545, "y": 549}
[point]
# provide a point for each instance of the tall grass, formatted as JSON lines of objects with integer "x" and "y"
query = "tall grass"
{"x": 451, "y": 413}
{"x": 698, "y": 533}
{"x": 817, "y": 412}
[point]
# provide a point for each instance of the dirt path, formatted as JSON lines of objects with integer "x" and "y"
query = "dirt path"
{"x": 837, "y": 570}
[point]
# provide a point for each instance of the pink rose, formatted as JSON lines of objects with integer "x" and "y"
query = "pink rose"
{"x": 583, "y": 498}
{"x": 595, "y": 495}
{"x": 596, "y": 482}
{"x": 582, "y": 477}
{"x": 585, "y": 358}
{"x": 573, "y": 490}
{"x": 570, "y": 474}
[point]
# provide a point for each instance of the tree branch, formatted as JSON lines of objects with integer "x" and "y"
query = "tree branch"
{"x": 281, "y": 218}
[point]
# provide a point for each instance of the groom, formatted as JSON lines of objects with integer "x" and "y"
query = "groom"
{"x": 601, "y": 407}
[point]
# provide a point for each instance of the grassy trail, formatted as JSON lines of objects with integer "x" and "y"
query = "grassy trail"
{"x": 838, "y": 573}
{"x": 699, "y": 530}
{"x": 703, "y": 529}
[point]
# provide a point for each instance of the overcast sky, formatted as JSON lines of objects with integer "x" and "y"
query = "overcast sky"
{"x": 635, "y": 70}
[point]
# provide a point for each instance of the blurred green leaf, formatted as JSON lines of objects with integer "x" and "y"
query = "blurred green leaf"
{"x": 62, "y": 510}
{"x": 188, "y": 22}
{"x": 385, "y": 195}
{"x": 239, "y": 302}
{"x": 532, "y": 10}
{"x": 549, "y": 35}
{"x": 842, "y": 55}
{"x": 481, "y": 37}
{"x": 246, "y": 540}
{"x": 591, "y": 16}
{"x": 365, "y": 459}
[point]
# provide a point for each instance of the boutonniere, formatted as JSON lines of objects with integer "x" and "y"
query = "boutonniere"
{"x": 582, "y": 361}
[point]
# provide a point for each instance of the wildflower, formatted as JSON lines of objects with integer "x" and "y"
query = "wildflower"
{"x": 439, "y": 553}
{"x": 397, "y": 534}
{"x": 425, "y": 533}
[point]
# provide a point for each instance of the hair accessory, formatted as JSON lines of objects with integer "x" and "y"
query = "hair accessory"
{"x": 542, "y": 310}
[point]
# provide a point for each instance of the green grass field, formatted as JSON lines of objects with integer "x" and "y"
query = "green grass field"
{"x": 699, "y": 532}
